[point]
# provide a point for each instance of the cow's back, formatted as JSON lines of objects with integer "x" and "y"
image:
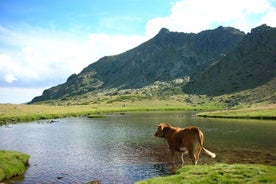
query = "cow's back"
{"x": 192, "y": 135}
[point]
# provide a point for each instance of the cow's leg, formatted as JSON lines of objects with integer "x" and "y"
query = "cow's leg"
{"x": 198, "y": 151}
{"x": 183, "y": 150}
{"x": 182, "y": 159}
{"x": 173, "y": 169}
{"x": 192, "y": 156}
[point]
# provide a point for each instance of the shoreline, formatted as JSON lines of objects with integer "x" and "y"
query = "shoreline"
{"x": 12, "y": 163}
{"x": 261, "y": 113}
{"x": 12, "y": 113}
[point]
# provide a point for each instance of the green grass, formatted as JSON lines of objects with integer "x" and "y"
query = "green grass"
{"x": 101, "y": 105}
{"x": 12, "y": 164}
{"x": 262, "y": 112}
{"x": 219, "y": 173}
{"x": 19, "y": 113}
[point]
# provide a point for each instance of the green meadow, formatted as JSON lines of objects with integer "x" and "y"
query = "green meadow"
{"x": 10, "y": 113}
{"x": 12, "y": 164}
{"x": 259, "y": 112}
{"x": 13, "y": 113}
{"x": 219, "y": 173}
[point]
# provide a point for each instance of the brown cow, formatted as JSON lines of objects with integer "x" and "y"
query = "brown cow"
{"x": 183, "y": 140}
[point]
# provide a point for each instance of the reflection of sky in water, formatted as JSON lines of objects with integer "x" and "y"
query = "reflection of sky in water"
{"x": 120, "y": 149}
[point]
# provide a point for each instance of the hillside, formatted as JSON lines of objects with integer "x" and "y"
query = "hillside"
{"x": 251, "y": 64}
{"x": 213, "y": 62}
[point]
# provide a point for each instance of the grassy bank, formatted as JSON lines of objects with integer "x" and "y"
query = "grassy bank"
{"x": 10, "y": 113}
{"x": 260, "y": 112}
{"x": 12, "y": 164}
{"x": 17, "y": 113}
{"x": 219, "y": 173}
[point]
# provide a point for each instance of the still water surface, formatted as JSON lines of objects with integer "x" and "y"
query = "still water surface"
{"x": 122, "y": 148}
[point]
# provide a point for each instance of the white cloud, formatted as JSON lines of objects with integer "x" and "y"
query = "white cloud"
{"x": 40, "y": 60}
{"x": 18, "y": 95}
{"x": 270, "y": 17}
{"x": 48, "y": 58}
{"x": 105, "y": 45}
{"x": 198, "y": 15}
{"x": 9, "y": 78}
{"x": 6, "y": 68}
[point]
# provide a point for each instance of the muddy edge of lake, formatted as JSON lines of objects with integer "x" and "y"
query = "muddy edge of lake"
{"x": 229, "y": 156}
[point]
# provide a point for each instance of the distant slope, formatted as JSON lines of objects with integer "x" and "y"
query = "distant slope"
{"x": 212, "y": 62}
{"x": 252, "y": 63}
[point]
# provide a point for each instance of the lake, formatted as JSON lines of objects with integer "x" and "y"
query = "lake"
{"x": 122, "y": 148}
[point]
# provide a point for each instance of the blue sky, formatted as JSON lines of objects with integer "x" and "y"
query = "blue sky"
{"x": 43, "y": 42}
{"x": 104, "y": 16}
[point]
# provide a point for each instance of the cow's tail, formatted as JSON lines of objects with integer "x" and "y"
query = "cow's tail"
{"x": 211, "y": 154}
{"x": 201, "y": 140}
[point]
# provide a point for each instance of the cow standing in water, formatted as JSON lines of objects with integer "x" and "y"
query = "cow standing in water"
{"x": 183, "y": 140}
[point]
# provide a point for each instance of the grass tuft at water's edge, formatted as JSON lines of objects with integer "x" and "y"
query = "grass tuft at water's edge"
{"x": 12, "y": 164}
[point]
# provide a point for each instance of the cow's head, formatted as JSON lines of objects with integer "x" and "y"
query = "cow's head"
{"x": 161, "y": 129}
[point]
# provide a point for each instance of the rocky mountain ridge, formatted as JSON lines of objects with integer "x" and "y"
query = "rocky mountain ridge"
{"x": 212, "y": 62}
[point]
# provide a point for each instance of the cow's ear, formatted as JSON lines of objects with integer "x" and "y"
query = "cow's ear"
{"x": 164, "y": 124}
{"x": 166, "y": 129}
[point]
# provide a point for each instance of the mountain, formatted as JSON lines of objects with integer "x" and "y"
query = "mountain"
{"x": 251, "y": 64}
{"x": 212, "y": 62}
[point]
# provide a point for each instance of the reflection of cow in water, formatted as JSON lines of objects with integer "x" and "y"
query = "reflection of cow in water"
{"x": 184, "y": 140}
